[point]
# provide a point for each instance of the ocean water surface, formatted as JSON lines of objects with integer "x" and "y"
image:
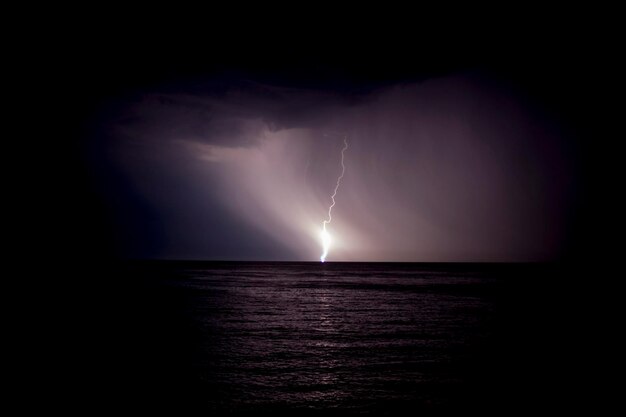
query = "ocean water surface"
{"x": 252, "y": 338}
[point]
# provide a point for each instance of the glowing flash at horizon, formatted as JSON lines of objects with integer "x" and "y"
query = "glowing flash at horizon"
{"x": 325, "y": 235}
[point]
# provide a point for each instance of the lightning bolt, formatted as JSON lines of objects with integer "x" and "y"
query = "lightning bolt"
{"x": 325, "y": 235}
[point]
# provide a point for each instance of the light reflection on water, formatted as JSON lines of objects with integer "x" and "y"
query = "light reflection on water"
{"x": 335, "y": 335}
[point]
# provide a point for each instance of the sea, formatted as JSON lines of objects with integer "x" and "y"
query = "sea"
{"x": 310, "y": 338}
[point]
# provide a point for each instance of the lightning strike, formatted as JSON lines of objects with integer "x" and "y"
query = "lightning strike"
{"x": 324, "y": 234}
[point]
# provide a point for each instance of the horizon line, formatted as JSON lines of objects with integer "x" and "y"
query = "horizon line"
{"x": 335, "y": 262}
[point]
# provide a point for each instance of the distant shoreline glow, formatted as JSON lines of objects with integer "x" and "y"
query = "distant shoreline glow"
{"x": 324, "y": 234}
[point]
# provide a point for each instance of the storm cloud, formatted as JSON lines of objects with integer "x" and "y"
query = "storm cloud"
{"x": 454, "y": 168}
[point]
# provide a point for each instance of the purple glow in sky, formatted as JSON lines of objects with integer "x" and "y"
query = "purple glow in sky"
{"x": 454, "y": 168}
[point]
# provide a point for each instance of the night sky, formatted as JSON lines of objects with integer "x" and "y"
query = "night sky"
{"x": 456, "y": 153}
